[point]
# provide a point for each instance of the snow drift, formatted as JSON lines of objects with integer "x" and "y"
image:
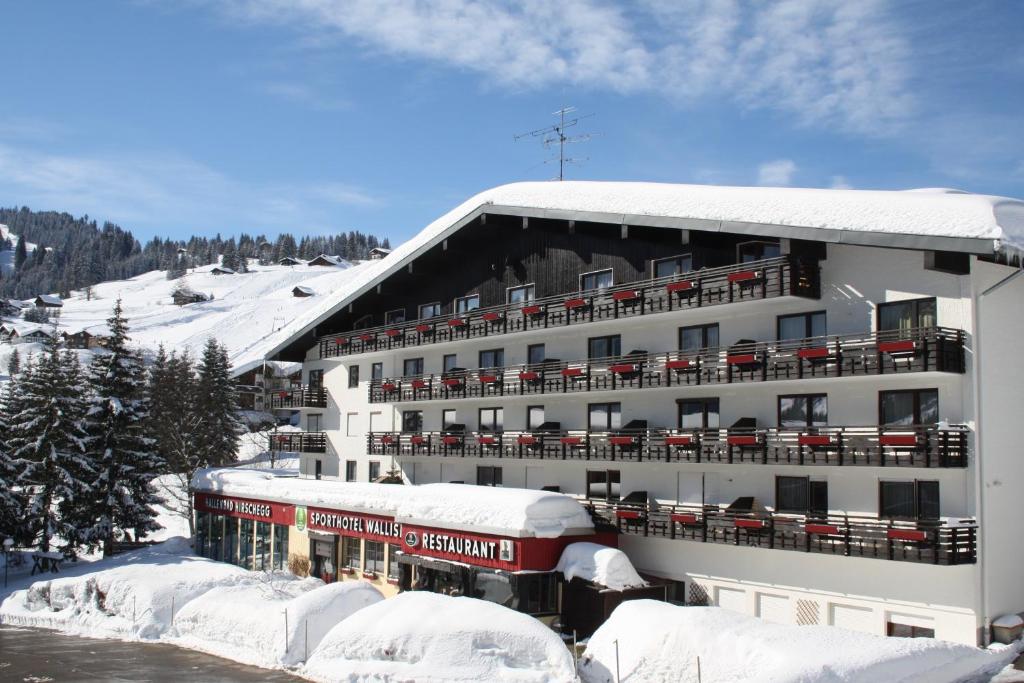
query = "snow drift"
{"x": 426, "y": 637}
{"x": 600, "y": 564}
{"x": 271, "y": 623}
{"x": 661, "y": 642}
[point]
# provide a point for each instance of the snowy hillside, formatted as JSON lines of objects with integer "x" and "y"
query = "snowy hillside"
{"x": 7, "y": 255}
{"x": 250, "y": 313}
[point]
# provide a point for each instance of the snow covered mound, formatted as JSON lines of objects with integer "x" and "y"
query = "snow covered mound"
{"x": 504, "y": 511}
{"x": 426, "y": 637}
{"x": 248, "y": 622}
{"x": 661, "y": 642}
{"x": 609, "y": 567}
{"x": 131, "y": 601}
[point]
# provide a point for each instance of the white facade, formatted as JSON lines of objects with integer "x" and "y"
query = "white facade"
{"x": 957, "y": 602}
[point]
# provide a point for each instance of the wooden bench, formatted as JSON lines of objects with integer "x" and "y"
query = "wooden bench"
{"x": 46, "y": 562}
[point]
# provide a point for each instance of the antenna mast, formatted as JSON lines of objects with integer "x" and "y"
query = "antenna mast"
{"x": 551, "y": 135}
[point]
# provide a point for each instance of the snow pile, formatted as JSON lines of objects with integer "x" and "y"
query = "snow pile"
{"x": 131, "y": 601}
{"x": 427, "y": 637}
{"x": 661, "y": 642}
{"x": 504, "y": 511}
{"x": 609, "y": 567}
{"x": 248, "y": 622}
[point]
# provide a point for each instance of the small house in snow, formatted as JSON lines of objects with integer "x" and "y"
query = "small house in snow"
{"x": 289, "y": 261}
{"x": 24, "y": 335}
{"x": 302, "y": 291}
{"x": 221, "y": 270}
{"x": 181, "y": 297}
{"x": 83, "y": 339}
{"x": 378, "y": 253}
{"x": 9, "y": 308}
{"x": 325, "y": 260}
{"x": 49, "y": 301}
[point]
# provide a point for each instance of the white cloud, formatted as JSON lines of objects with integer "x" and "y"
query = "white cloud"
{"x": 822, "y": 62}
{"x": 303, "y": 94}
{"x": 138, "y": 191}
{"x": 778, "y": 173}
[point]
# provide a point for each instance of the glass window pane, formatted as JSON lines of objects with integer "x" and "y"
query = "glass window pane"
{"x": 897, "y": 499}
{"x": 817, "y": 324}
{"x": 792, "y": 494}
{"x": 535, "y": 354}
{"x": 519, "y": 295}
{"x": 711, "y": 336}
{"x": 430, "y": 310}
{"x": 535, "y": 417}
{"x": 467, "y": 303}
{"x": 615, "y": 411}
{"x": 597, "y": 484}
{"x": 449, "y": 362}
{"x": 792, "y": 412}
{"x": 926, "y": 314}
{"x": 412, "y": 421}
{"x": 819, "y": 411}
{"x": 792, "y": 327}
{"x": 412, "y": 367}
{"x": 614, "y": 488}
{"x": 897, "y": 316}
{"x": 394, "y": 317}
{"x": 691, "y": 338}
{"x": 599, "y": 416}
{"x": 898, "y": 408}
{"x": 929, "y": 399}
{"x": 377, "y": 371}
{"x": 928, "y": 499}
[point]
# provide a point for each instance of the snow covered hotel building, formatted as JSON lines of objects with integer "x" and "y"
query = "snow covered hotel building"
{"x": 798, "y": 404}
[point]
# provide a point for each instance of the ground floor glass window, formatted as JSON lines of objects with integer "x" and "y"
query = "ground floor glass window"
{"x": 374, "y": 558}
{"x": 280, "y": 547}
{"x": 262, "y": 562}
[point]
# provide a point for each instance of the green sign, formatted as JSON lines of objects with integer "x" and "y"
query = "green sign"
{"x": 300, "y": 517}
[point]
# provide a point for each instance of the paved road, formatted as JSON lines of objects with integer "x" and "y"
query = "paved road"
{"x": 35, "y": 656}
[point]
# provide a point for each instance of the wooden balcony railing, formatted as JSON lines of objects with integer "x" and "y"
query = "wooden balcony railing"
{"x": 930, "y": 542}
{"x": 903, "y": 446}
{"x": 771, "y": 278}
{"x": 298, "y": 442}
{"x": 298, "y": 397}
{"x": 919, "y": 350}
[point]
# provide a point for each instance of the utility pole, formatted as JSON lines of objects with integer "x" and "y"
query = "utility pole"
{"x": 555, "y": 134}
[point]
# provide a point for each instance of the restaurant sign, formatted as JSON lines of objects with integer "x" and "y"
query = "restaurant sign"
{"x": 476, "y": 549}
{"x": 371, "y": 527}
{"x": 259, "y": 510}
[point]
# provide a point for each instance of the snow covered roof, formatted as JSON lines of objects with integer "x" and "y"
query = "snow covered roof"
{"x": 600, "y": 564}
{"x": 916, "y": 219}
{"x": 49, "y": 300}
{"x": 223, "y": 270}
{"x": 501, "y": 511}
{"x": 308, "y": 291}
{"x": 332, "y": 260}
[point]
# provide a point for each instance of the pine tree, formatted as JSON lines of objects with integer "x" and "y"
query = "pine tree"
{"x": 12, "y": 502}
{"x": 47, "y": 440}
{"x": 217, "y": 402}
{"x": 118, "y": 443}
{"x": 20, "y": 253}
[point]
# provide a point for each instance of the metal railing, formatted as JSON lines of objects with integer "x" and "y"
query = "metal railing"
{"x": 298, "y": 442}
{"x": 877, "y": 446}
{"x": 924, "y": 541}
{"x": 298, "y": 397}
{"x": 771, "y": 278}
{"x": 916, "y": 350}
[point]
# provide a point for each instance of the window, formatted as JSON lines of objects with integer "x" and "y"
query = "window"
{"x": 280, "y": 547}
{"x": 910, "y": 407}
{"x": 699, "y": 413}
{"x": 313, "y": 422}
{"x": 350, "y": 424}
{"x": 263, "y": 559}
{"x": 674, "y": 265}
{"x": 412, "y": 367}
{"x": 534, "y": 417}
{"x": 247, "y": 541}
{"x": 908, "y": 499}
{"x": 448, "y": 363}
{"x": 907, "y": 631}
{"x": 431, "y": 310}
{"x": 697, "y": 337}
{"x": 318, "y": 469}
{"x": 520, "y": 295}
{"x": 316, "y": 379}
{"x": 350, "y": 470}
{"x": 492, "y": 419}
{"x": 801, "y": 495}
{"x": 603, "y": 484}
{"x": 494, "y": 358}
{"x": 757, "y": 251}
{"x": 393, "y": 564}
{"x": 599, "y": 279}
{"x": 535, "y": 354}
{"x": 377, "y": 372}
{"x": 412, "y": 420}
{"x": 374, "y": 558}
{"x": 604, "y": 416}
{"x": 803, "y": 411}
{"x": 801, "y": 326}
{"x": 351, "y": 552}
{"x": 902, "y": 316}
{"x": 353, "y": 376}
{"x": 448, "y": 418}
{"x": 604, "y": 347}
{"x": 374, "y": 470}
{"x": 465, "y": 304}
{"x": 394, "y": 317}
{"x": 363, "y": 322}
{"x": 675, "y": 591}
{"x": 488, "y": 476}
{"x": 538, "y": 593}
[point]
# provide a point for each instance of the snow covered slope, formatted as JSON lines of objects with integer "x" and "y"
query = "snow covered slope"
{"x": 7, "y": 255}
{"x": 249, "y": 312}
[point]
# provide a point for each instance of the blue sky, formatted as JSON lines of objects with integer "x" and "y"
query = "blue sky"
{"x": 197, "y": 116}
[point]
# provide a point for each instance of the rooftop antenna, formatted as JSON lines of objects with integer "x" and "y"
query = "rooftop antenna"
{"x": 555, "y": 134}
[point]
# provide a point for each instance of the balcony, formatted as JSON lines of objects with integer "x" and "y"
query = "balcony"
{"x": 298, "y": 397}
{"x": 755, "y": 281}
{"x": 932, "y": 349}
{"x": 298, "y": 442}
{"x": 903, "y": 446}
{"x": 928, "y": 542}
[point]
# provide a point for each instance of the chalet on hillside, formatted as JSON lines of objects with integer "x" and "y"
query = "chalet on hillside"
{"x": 10, "y": 308}
{"x": 289, "y": 261}
{"x": 83, "y": 339}
{"x": 182, "y": 297}
{"x": 48, "y": 301}
{"x": 221, "y": 270}
{"x": 378, "y": 253}
{"x": 27, "y": 333}
{"x": 325, "y": 260}
{"x": 301, "y": 291}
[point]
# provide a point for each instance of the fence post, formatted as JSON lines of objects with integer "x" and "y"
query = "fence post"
{"x": 305, "y": 640}
{"x": 286, "y": 630}
{"x": 172, "y": 609}
{"x": 617, "y": 679}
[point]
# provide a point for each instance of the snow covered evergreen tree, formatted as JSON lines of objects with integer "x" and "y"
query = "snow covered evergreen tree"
{"x": 47, "y": 439}
{"x": 12, "y": 503}
{"x": 217, "y": 402}
{"x": 118, "y": 443}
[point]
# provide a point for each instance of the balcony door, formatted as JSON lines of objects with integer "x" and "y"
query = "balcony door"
{"x": 915, "y": 500}
{"x": 908, "y": 407}
{"x": 492, "y": 419}
{"x": 903, "y": 316}
{"x": 801, "y": 495}
{"x": 803, "y": 411}
{"x": 698, "y": 337}
{"x": 314, "y": 422}
{"x": 316, "y": 379}
{"x": 604, "y": 347}
{"x": 603, "y": 417}
{"x": 699, "y": 413}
